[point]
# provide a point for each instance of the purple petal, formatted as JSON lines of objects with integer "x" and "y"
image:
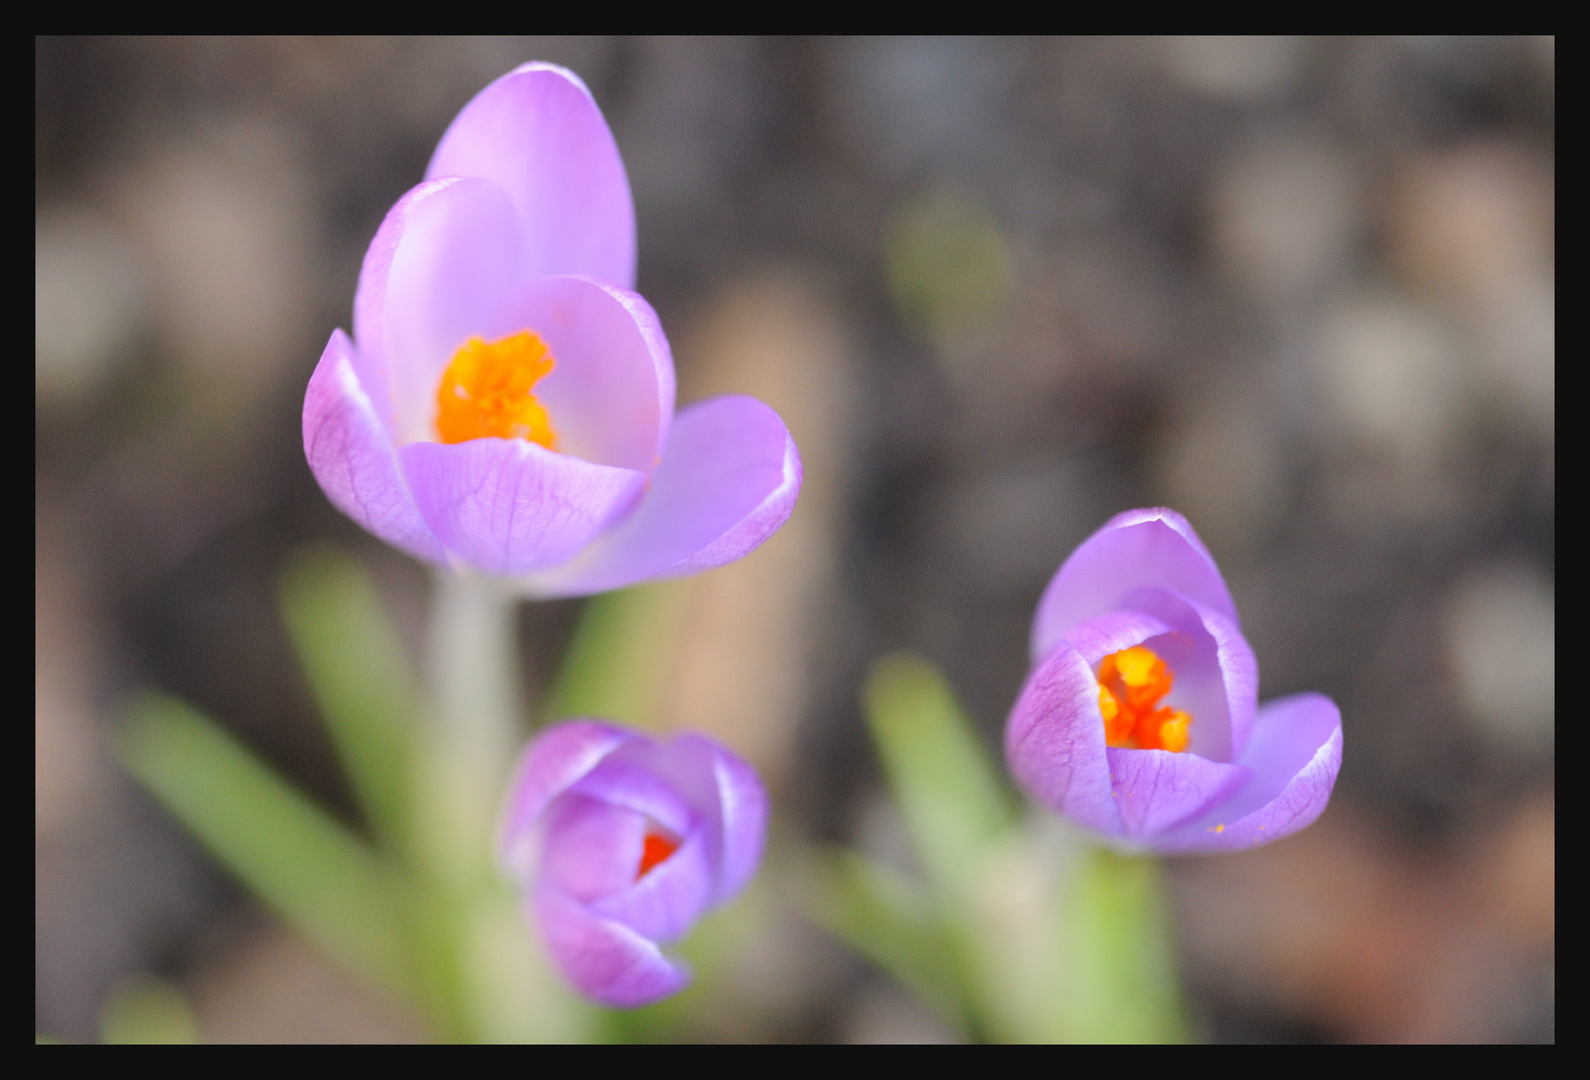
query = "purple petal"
{"x": 350, "y": 453}
{"x": 1157, "y": 790}
{"x": 592, "y": 848}
{"x": 509, "y": 506}
{"x": 603, "y": 958}
{"x": 743, "y": 811}
{"x": 1136, "y": 549}
{"x": 538, "y": 134}
{"x": 611, "y": 393}
{"x": 1293, "y": 756}
{"x": 728, "y": 480}
{"x": 1217, "y": 675}
{"x": 633, "y": 778}
{"x": 439, "y": 267}
{"x": 665, "y": 903}
{"x": 1054, "y": 741}
{"x": 1099, "y": 637}
{"x": 555, "y": 759}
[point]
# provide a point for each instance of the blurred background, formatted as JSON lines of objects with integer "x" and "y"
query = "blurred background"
{"x": 1302, "y": 290}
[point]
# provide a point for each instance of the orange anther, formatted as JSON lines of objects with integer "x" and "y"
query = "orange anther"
{"x": 1131, "y": 684}
{"x": 656, "y": 849}
{"x": 485, "y": 391}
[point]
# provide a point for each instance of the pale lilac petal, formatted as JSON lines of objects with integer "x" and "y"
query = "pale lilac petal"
{"x": 351, "y": 455}
{"x": 611, "y": 393}
{"x": 743, "y": 809}
{"x": 538, "y": 134}
{"x": 1054, "y": 741}
{"x": 439, "y": 267}
{"x": 592, "y": 848}
{"x": 553, "y": 761}
{"x": 1293, "y": 757}
{"x": 604, "y": 959}
{"x": 1133, "y": 550}
{"x": 1157, "y": 790}
{"x": 665, "y": 903}
{"x": 510, "y": 506}
{"x": 728, "y": 480}
{"x": 1217, "y": 678}
{"x": 1098, "y": 637}
{"x": 631, "y": 778}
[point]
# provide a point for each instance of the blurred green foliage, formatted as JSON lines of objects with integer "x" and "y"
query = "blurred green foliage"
{"x": 1019, "y": 932}
{"x": 147, "y": 1010}
{"x": 415, "y": 912}
{"x": 949, "y": 269}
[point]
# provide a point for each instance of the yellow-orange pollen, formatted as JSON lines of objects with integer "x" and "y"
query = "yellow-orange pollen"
{"x": 485, "y": 391}
{"x": 656, "y": 849}
{"x": 1131, "y": 684}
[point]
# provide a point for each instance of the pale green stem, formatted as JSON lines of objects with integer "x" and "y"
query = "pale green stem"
{"x": 474, "y": 668}
{"x": 474, "y": 720}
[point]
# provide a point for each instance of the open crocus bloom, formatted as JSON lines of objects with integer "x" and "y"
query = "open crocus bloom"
{"x": 507, "y": 402}
{"x": 620, "y": 843}
{"x": 1140, "y": 719}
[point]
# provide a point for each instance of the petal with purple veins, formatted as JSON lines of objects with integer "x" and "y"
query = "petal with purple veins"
{"x": 538, "y": 134}
{"x": 604, "y": 959}
{"x": 438, "y": 270}
{"x": 611, "y": 392}
{"x": 1139, "y": 548}
{"x": 728, "y": 480}
{"x": 351, "y": 455}
{"x": 1157, "y": 790}
{"x": 509, "y": 506}
{"x": 1054, "y": 741}
{"x": 1293, "y": 757}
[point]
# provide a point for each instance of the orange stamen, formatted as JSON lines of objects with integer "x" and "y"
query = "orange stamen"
{"x": 656, "y": 849}
{"x": 485, "y": 391}
{"x": 1131, "y": 684}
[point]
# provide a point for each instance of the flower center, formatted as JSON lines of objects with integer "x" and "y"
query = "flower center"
{"x": 485, "y": 391}
{"x": 656, "y": 849}
{"x": 1131, "y": 684}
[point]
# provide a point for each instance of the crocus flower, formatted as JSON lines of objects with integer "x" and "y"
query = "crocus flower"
{"x": 506, "y": 402}
{"x": 1140, "y": 719}
{"x": 620, "y": 843}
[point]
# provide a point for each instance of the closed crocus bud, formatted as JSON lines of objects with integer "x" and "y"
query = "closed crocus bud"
{"x": 506, "y": 402}
{"x": 620, "y": 843}
{"x": 1140, "y": 718}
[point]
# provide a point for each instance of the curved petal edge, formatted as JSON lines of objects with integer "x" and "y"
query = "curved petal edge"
{"x": 604, "y": 959}
{"x": 1293, "y": 759}
{"x": 351, "y": 455}
{"x": 729, "y": 479}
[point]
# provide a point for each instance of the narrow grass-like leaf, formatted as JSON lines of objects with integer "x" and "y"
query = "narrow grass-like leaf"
{"x": 941, "y": 777}
{"x": 618, "y": 662}
{"x": 1118, "y": 970}
{"x": 893, "y": 922}
{"x": 360, "y": 678}
{"x": 317, "y": 875}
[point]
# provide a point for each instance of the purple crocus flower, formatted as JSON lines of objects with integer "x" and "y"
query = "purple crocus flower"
{"x": 621, "y": 843}
{"x": 506, "y": 402}
{"x": 1140, "y": 719}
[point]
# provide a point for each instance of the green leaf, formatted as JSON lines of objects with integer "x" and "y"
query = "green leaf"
{"x": 947, "y": 791}
{"x": 1118, "y": 968}
{"x": 892, "y": 921}
{"x": 360, "y": 678}
{"x": 147, "y": 1010}
{"x": 316, "y": 874}
{"x": 618, "y": 663}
